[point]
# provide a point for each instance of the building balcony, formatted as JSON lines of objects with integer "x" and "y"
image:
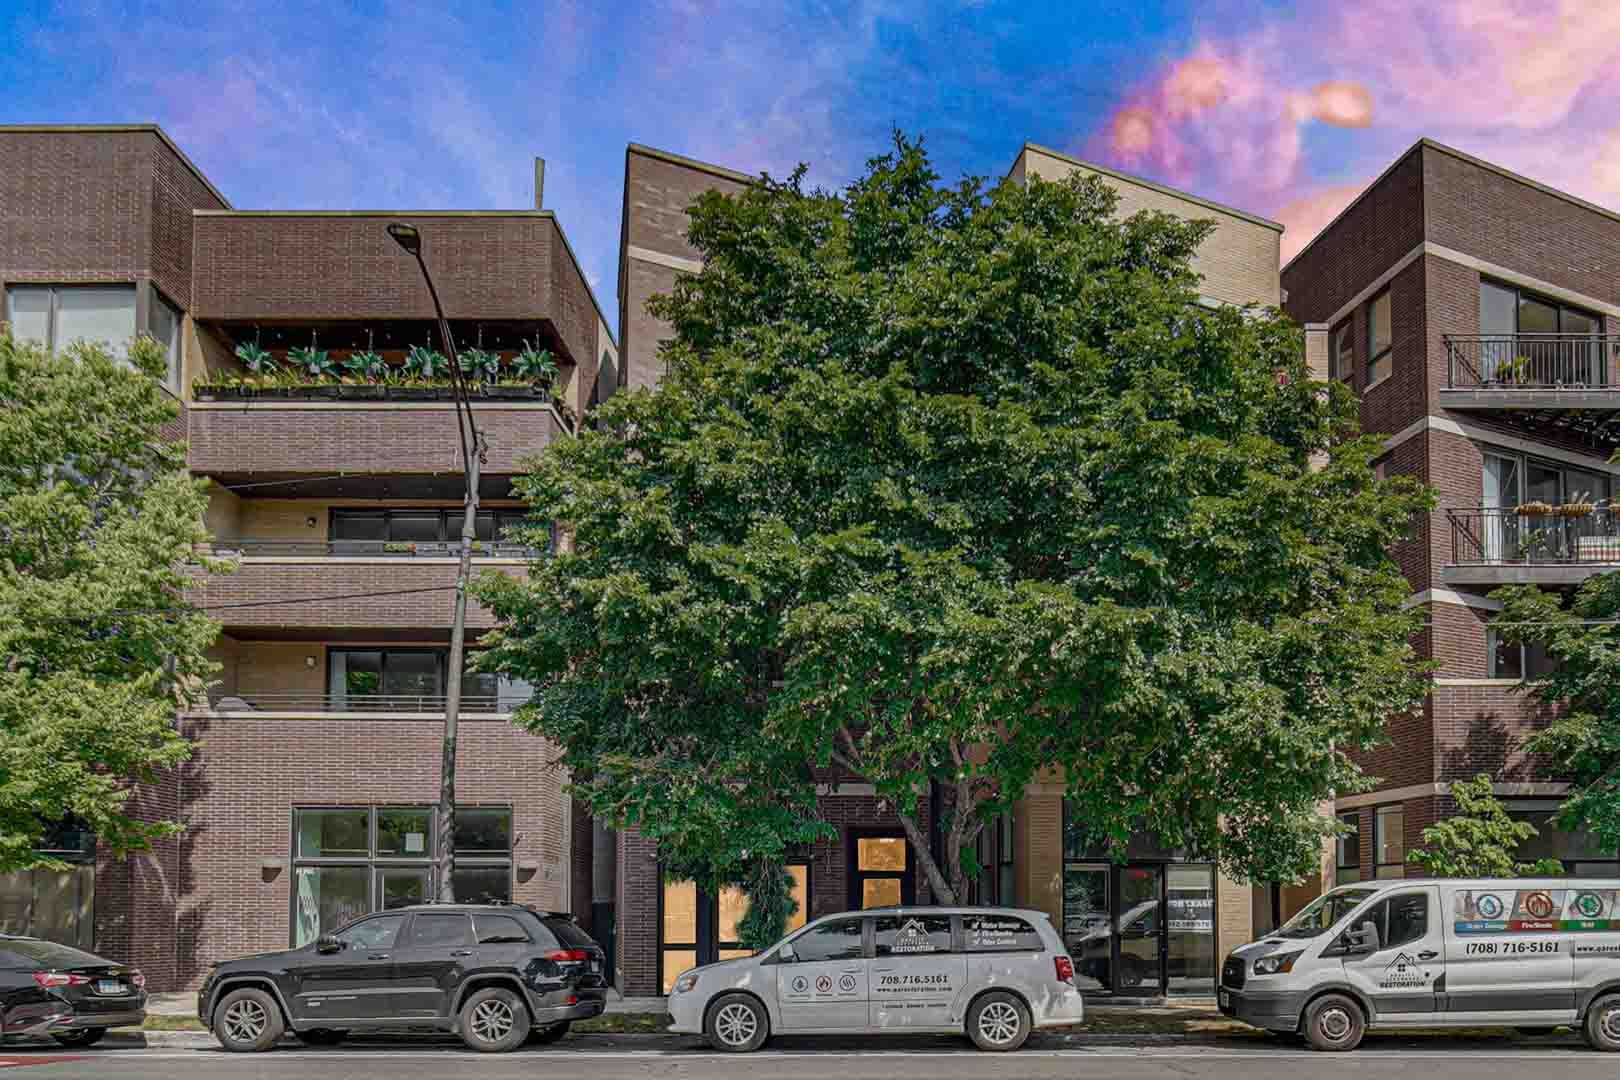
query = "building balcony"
{"x": 1544, "y": 383}
{"x": 311, "y": 589}
{"x": 296, "y": 705}
{"x": 1534, "y": 544}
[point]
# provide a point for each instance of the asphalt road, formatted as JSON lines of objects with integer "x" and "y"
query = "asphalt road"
{"x": 668, "y": 1058}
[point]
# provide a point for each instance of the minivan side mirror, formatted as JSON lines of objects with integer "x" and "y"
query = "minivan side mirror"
{"x": 328, "y": 943}
{"x": 786, "y": 954}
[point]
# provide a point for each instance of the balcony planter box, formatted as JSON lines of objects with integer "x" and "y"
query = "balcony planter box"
{"x": 316, "y": 392}
{"x": 510, "y": 393}
{"x": 276, "y": 393}
{"x": 412, "y": 393}
{"x": 362, "y": 393}
{"x": 211, "y": 393}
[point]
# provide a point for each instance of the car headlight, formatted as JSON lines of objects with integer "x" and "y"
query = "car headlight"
{"x": 686, "y": 982}
{"x": 1277, "y": 963}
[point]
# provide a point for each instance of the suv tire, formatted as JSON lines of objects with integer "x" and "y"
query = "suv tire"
{"x": 247, "y": 1020}
{"x": 543, "y": 1036}
{"x": 494, "y": 1020}
{"x": 998, "y": 1021}
{"x": 79, "y": 1037}
{"x": 1334, "y": 1023}
{"x": 1602, "y": 1026}
{"x": 737, "y": 1024}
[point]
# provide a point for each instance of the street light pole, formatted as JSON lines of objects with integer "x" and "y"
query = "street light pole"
{"x": 473, "y": 449}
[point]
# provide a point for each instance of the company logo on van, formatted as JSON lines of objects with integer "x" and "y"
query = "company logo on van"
{"x": 1402, "y": 973}
{"x": 1489, "y": 905}
{"x": 1589, "y": 905}
{"x": 1538, "y": 905}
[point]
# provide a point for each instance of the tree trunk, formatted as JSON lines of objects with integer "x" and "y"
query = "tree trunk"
{"x": 918, "y": 837}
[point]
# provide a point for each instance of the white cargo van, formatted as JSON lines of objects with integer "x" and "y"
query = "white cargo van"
{"x": 1527, "y": 953}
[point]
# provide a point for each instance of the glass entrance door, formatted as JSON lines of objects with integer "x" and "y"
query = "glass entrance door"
{"x": 1139, "y": 930}
{"x": 1088, "y": 925}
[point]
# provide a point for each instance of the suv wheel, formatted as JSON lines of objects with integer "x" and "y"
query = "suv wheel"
{"x": 1602, "y": 1027}
{"x": 247, "y": 1020}
{"x": 494, "y": 1020}
{"x": 79, "y": 1037}
{"x": 1334, "y": 1022}
{"x": 998, "y": 1021}
{"x": 737, "y": 1024}
{"x": 542, "y": 1036}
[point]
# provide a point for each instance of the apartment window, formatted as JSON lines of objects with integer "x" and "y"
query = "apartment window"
{"x": 1380, "y": 339}
{"x": 1342, "y": 364}
{"x": 1508, "y": 661}
{"x": 1347, "y": 850}
{"x": 1582, "y": 854}
{"x": 58, "y": 316}
{"x": 165, "y": 329}
{"x": 362, "y": 529}
{"x": 407, "y": 679}
{"x": 349, "y": 861}
{"x": 1389, "y": 842}
{"x": 1510, "y": 479}
{"x": 1533, "y": 339}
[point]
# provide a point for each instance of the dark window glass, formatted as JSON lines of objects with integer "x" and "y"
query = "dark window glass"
{"x": 905, "y": 935}
{"x": 328, "y": 834}
{"x": 1380, "y": 335}
{"x": 483, "y": 831}
{"x": 498, "y": 929}
{"x": 411, "y": 673}
{"x": 414, "y": 525}
{"x": 1497, "y": 309}
{"x": 362, "y": 673}
{"x": 482, "y": 884}
{"x": 1348, "y": 848}
{"x": 484, "y": 526}
{"x": 836, "y": 940}
{"x": 49, "y": 954}
{"x": 995, "y": 932}
{"x": 1343, "y": 360}
{"x": 404, "y": 833}
{"x": 376, "y": 933}
{"x": 1537, "y": 317}
{"x": 1408, "y": 920}
{"x": 568, "y": 932}
{"x": 359, "y": 526}
{"x": 435, "y": 930}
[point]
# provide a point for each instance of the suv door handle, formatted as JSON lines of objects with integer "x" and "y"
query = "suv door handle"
{"x": 1427, "y": 954}
{"x": 461, "y": 952}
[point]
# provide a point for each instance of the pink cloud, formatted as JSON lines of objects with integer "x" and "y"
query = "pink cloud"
{"x": 1525, "y": 83}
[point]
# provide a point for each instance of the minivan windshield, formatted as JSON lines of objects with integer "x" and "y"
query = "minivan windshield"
{"x": 1321, "y": 914}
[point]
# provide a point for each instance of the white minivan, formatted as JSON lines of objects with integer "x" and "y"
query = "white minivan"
{"x": 1526, "y": 953}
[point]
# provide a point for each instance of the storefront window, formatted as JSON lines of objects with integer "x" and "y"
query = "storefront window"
{"x": 353, "y": 860}
{"x": 57, "y": 905}
{"x": 696, "y": 927}
{"x": 679, "y": 931}
{"x": 1190, "y": 929}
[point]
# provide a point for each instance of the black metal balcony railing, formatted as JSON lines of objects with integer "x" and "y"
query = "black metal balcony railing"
{"x": 1582, "y": 533}
{"x": 392, "y": 549}
{"x": 363, "y": 703}
{"x": 1528, "y": 361}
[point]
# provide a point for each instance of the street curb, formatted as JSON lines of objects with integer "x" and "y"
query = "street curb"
{"x": 203, "y": 1040}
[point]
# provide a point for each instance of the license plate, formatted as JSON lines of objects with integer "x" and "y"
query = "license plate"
{"x": 109, "y": 986}
{"x": 1226, "y": 1000}
{"x": 596, "y": 965}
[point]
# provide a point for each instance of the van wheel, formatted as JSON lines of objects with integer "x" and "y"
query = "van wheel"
{"x": 737, "y": 1024}
{"x": 1334, "y": 1022}
{"x": 494, "y": 1021}
{"x": 998, "y": 1021}
{"x": 247, "y": 1020}
{"x": 1602, "y": 1027}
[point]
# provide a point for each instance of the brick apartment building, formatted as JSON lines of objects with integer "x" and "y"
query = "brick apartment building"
{"x": 307, "y": 799}
{"x": 1474, "y": 312}
{"x": 1184, "y": 915}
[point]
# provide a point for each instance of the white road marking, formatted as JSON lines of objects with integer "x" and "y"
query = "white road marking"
{"x": 1363, "y": 1058}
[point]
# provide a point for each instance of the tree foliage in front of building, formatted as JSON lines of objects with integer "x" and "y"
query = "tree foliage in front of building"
{"x": 951, "y": 489}
{"x": 1480, "y": 840}
{"x": 97, "y": 647}
{"x": 1582, "y": 741}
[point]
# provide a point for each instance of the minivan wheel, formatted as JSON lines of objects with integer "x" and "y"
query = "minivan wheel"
{"x": 998, "y": 1021}
{"x": 494, "y": 1021}
{"x": 737, "y": 1024}
{"x": 1602, "y": 1027}
{"x": 79, "y": 1036}
{"x": 1334, "y": 1022}
{"x": 247, "y": 1020}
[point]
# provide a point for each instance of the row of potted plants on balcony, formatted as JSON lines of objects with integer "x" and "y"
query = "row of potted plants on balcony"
{"x": 423, "y": 376}
{"x": 1577, "y": 508}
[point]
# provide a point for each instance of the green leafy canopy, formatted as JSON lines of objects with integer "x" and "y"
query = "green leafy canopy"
{"x": 1480, "y": 840}
{"x": 960, "y": 488}
{"x": 97, "y": 647}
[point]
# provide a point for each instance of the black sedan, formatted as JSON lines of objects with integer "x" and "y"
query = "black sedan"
{"x": 69, "y": 995}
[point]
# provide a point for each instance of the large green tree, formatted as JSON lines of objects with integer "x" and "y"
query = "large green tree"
{"x": 947, "y": 488}
{"x": 1582, "y": 742}
{"x": 1480, "y": 839}
{"x": 98, "y": 648}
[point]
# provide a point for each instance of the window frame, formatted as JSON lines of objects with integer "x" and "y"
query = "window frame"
{"x": 1379, "y": 864}
{"x": 1340, "y": 866}
{"x": 1342, "y": 357}
{"x": 706, "y": 946}
{"x": 53, "y": 311}
{"x": 450, "y": 520}
{"x": 1374, "y": 353}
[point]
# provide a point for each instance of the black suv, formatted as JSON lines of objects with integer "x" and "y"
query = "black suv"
{"x": 496, "y": 974}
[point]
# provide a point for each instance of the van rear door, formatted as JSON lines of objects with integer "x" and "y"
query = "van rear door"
{"x": 1403, "y": 976}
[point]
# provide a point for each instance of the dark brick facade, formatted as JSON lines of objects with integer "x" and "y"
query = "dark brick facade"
{"x": 1428, "y": 230}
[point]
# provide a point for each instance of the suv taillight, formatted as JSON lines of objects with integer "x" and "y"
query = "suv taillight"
{"x": 569, "y": 956}
{"x": 1065, "y": 968}
{"x": 57, "y": 978}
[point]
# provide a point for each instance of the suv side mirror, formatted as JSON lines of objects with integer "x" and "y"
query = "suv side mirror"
{"x": 328, "y": 943}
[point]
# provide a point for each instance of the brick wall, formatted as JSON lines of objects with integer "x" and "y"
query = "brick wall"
{"x": 281, "y": 438}
{"x": 208, "y": 897}
{"x": 1482, "y": 729}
